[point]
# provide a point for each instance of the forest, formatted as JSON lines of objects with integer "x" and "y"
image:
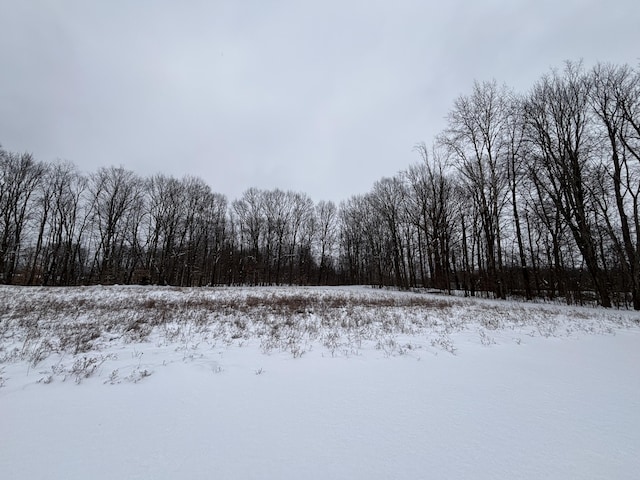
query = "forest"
{"x": 531, "y": 195}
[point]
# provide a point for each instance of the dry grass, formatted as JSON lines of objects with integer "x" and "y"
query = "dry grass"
{"x": 38, "y": 322}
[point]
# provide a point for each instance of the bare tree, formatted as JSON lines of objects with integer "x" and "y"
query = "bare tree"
{"x": 58, "y": 256}
{"x": 431, "y": 209}
{"x": 202, "y": 213}
{"x": 615, "y": 98}
{"x": 387, "y": 199}
{"x": 557, "y": 114}
{"x": 476, "y": 136}
{"x": 116, "y": 194}
{"x": 248, "y": 210}
{"x": 277, "y": 207}
{"x": 301, "y": 219}
{"x": 214, "y": 225}
{"x": 44, "y": 200}
{"x": 165, "y": 209}
{"x": 516, "y": 156}
{"x": 20, "y": 176}
{"x": 352, "y": 240}
{"x": 327, "y": 215}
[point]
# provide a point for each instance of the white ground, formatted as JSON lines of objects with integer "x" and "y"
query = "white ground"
{"x": 515, "y": 399}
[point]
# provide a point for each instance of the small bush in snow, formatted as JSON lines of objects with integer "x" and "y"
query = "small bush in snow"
{"x": 485, "y": 339}
{"x": 137, "y": 375}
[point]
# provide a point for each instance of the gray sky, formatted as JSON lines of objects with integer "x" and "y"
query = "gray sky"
{"x": 323, "y": 97}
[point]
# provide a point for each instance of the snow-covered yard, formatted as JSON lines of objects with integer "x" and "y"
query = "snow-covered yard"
{"x": 155, "y": 383}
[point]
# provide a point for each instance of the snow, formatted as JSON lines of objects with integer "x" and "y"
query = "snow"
{"x": 550, "y": 392}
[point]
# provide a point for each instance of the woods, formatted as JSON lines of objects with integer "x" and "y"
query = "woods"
{"x": 524, "y": 194}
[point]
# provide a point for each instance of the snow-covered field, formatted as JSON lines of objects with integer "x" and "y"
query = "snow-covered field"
{"x": 165, "y": 383}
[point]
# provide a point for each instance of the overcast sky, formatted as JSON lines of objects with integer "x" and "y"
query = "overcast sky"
{"x": 322, "y": 97}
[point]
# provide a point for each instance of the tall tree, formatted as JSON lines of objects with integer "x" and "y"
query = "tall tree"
{"x": 248, "y": 211}
{"x": 387, "y": 199}
{"x": 476, "y": 136}
{"x": 116, "y": 194}
{"x": 431, "y": 210}
{"x": 516, "y": 156}
{"x": 301, "y": 218}
{"x": 615, "y": 98}
{"x": 58, "y": 256}
{"x": 326, "y": 213}
{"x": 20, "y": 176}
{"x": 557, "y": 115}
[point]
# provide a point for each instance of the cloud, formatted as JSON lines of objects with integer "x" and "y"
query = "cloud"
{"x": 322, "y": 97}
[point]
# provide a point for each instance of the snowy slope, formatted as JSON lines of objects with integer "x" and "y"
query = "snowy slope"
{"x": 530, "y": 391}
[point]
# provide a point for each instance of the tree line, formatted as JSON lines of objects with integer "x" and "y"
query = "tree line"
{"x": 533, "y": 195}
